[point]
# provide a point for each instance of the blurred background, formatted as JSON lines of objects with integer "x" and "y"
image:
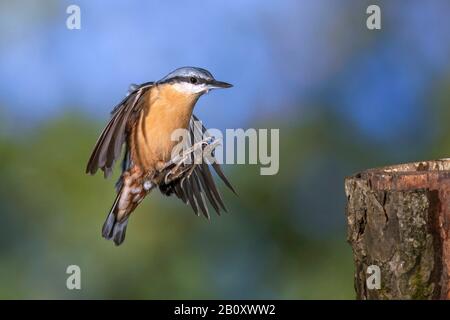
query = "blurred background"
{"x": 344, "y": 98}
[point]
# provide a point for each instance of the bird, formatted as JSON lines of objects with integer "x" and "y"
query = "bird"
{"x": 140, "y": 129}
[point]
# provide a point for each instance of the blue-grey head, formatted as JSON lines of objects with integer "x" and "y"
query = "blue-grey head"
{"x": 191, "y": 80}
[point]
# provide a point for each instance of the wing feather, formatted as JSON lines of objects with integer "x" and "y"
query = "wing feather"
{"x": 198, "y": 192}
{"x": 187, "y": 188}
{"x": 207, "y": 190}
{"x": 109, "y": 145}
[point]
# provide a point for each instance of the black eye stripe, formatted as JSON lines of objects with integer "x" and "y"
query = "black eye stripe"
{"x": 197, "y": 80}
{"x": 185, "y": 79}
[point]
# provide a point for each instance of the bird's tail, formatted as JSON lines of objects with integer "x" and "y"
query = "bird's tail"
{"x": 113, "y": 228}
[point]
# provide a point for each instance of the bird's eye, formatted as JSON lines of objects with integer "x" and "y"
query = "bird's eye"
{"x": 193, "y": 80}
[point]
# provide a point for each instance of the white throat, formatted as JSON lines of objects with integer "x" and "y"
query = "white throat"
{"x": 189, "y": 88}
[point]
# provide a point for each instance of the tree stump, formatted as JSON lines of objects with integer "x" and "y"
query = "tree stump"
{"x": 399, "y": 221}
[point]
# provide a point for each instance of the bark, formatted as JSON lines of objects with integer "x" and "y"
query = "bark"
{"x": 399, "y": 220}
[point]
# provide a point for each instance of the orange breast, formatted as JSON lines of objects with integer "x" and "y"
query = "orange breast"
{"x": 167, "y": 110}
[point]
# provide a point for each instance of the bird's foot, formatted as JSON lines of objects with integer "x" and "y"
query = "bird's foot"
{"x": 177, "y": 162}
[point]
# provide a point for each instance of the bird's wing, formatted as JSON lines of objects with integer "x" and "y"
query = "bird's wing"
{"x": 200, "y": 185}
{"x": 109, "y": 145}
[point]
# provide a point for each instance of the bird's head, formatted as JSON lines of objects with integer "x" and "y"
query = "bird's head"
{"x": 191, "y": 80}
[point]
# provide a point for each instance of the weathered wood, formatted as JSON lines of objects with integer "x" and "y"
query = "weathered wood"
{"x": 399, "y": 220}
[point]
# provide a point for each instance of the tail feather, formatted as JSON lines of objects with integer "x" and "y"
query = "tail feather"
{"x": 113, "y": 229}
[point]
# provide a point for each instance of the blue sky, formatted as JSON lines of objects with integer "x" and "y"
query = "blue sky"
{"x": 282, "y": 56}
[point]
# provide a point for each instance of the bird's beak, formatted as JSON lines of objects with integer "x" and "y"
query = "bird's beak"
{"x": 214, "y": 84}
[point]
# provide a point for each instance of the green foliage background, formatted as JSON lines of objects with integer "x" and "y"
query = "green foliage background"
{"x": 52, "y": 214}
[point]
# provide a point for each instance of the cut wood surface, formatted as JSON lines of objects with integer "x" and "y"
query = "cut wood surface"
{"x": 399, "y": 220}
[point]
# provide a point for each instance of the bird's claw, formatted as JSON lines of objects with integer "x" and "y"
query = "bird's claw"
{"x": 209, "y": 142}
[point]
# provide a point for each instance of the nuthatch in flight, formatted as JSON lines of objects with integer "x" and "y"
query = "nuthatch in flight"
{"x": 144, "y": 121}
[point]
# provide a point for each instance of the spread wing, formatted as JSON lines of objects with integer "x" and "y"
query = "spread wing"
{"x": 109, "y": 145}
{"x": 199, "y": 186}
